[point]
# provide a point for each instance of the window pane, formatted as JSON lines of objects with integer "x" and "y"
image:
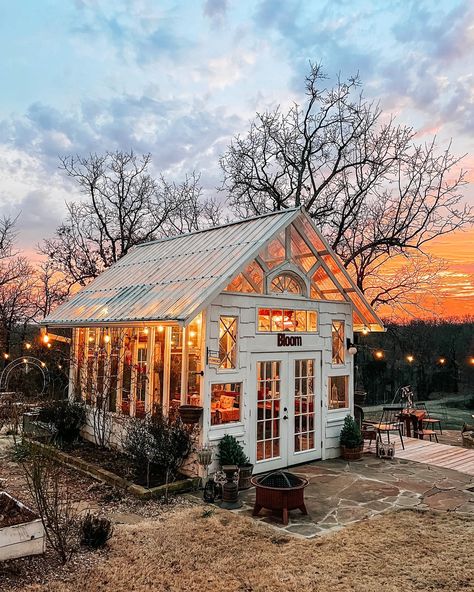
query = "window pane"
{"x": 338, "y": 342}
{"x": 312, "y": 321}
{"x": 277, "y": 320}
{"x": 158, "y": 369}
{"x": 289, "y": 320}
{"x": 285, "y": 284}
{"x": 225, "y": 403}
{"x": 228, "y": 342}
{"x": 338, "y": 392}
{"x": 300, "y": 320}
{"x": 264, "y": 319}
{"x": 176, "y": 364}
{"x": 194, "y": 361}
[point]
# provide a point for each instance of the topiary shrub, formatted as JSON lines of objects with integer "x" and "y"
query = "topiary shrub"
{"x": 66, "y": 420}
{"x": 351, "y": 436}
{"x": 231, "y": 452}
{"x": 95, "y": 531}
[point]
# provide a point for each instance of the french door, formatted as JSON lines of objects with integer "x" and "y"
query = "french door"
{"x": 286, "y": 422}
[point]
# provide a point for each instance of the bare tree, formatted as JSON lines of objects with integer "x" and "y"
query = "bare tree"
{"x": 374, "y": 192}
{"x": 124, "y": 205}
{"x": 52, "y": 288}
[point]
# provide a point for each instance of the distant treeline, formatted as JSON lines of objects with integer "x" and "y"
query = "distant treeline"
{"x": 431, "y": 355}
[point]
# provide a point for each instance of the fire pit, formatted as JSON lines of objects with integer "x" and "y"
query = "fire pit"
{"x": 279, "y": 492}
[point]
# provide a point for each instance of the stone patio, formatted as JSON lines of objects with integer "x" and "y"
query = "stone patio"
{"x": 340, "y": 493}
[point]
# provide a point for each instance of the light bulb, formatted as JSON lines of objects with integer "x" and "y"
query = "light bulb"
{"x": 28, "y": 345}
{"x": 45, "y": 338}
{"x": 379, "y": 355}
{"x": 145, "y": 331}
{"x": 161, "y": 328}
{"x": 106, "y": 338}
{"x": 410, "y": 358}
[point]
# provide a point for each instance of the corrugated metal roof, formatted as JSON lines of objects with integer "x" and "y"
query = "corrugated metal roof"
{"x": 170, "y": 279}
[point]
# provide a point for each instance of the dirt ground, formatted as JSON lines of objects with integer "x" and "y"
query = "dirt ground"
{"x": 194, "y": 550}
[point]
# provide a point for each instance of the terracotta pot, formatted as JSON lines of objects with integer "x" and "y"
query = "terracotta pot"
{"x": 352, "y": 453}
{"x": 245, "y": 474}
{"x": 190, "y": 413}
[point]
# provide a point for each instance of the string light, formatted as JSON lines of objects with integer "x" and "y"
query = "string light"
{"x": 43, "y": 365}
{"x": 365, "y": 331}
{"x": 145, "y": 331}
{"x": 379, "y": 354}
{"x": 471, "y": 361}
{"x": 6, "y": 355}
{"x": 410, "y": 358}
{"x": 48, "y": 345}
{"x": 45, "y": 338}
{"x": 442, "y": 361}
{"x": 161, "y": 328}
{"x": 106, "y": 338}
{"x": 28, "y": 345}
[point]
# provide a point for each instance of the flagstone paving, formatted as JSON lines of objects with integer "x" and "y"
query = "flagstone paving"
{"x": 340, "y": 493}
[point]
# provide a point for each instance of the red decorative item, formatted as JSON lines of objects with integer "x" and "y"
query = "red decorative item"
{"x": 279, "y": 492}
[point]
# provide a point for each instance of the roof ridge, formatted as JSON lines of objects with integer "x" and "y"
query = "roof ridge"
{"x": 169, "y": 238}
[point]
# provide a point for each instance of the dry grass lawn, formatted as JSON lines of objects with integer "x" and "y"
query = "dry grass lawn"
{"x": 406, "y": 551}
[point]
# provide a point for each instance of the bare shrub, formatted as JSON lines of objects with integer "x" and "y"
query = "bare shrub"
{"x": 53, "y": 498}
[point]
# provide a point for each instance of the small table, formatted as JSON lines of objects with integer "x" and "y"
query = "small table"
{"x": 413, "y": 417}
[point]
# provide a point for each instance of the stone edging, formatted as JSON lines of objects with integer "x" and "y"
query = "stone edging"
{"x": 110, "y": 478}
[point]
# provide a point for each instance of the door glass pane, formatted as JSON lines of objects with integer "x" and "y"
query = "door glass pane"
{"x": 268, "y": 410}
{"x": 304, "y": 405}
{"x": 158, "y": 369}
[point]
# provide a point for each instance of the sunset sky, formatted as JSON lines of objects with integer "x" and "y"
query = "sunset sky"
{"x": 178, "y": 79}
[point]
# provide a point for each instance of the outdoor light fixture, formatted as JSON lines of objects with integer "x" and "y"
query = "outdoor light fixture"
{"x": 351, "y": 348}
{"x": 410, "y": 358}
{"x": 365, "y": 330}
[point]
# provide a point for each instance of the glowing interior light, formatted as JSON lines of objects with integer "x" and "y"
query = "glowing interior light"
{"x": 192, "y": 334}
{"x": 145, "y": 331}
{"x": 190, "y": 342}
{"x": 106, "y": 338}
{"x": 161, "y": 328}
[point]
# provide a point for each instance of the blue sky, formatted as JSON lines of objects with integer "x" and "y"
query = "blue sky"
{"x": 178, "y": 79}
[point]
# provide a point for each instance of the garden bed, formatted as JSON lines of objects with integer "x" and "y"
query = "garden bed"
{"x": 21, "y": 530}
{"x": 88, "y": 464}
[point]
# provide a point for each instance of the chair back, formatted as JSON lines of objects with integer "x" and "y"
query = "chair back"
{"x": 391, "y": 414}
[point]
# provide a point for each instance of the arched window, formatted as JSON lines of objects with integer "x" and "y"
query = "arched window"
{"x": 286, "y": 283}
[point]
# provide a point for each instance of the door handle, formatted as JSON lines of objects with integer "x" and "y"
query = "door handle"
{"x": 285, "y": 417}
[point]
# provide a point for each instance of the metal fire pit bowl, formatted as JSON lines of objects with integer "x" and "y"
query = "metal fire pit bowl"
{"x": 279, "y": 492}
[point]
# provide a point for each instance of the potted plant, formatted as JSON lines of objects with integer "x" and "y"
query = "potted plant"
{"x": 190, "y": 414}
{"x": 232, "y": 453}
{"x": 352, "y": 443}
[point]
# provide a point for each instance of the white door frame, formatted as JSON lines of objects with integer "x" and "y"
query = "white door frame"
{"x": 287, "y": 455}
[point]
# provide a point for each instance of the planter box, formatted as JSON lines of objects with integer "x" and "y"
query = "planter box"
{"x": 100, "y": 474}
{"x": 20, "y": 540}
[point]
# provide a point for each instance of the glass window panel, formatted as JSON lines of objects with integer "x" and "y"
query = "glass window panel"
{"x": 312, "y": 321}
{"x": 129, "y": 347}
{"x": 274, "y": 253}
{"x": 301, "y": 254}
{"x": 304, "y": 405}
{"x": 176, "y": 364}
{"x": 300, "y": 320}
{"x": 277, "y": 320}
{"x": 158, "y": 369}
{"x": 225, "y": 403}
{"x": 338, "y": 392}
{"x": 228, "y": 342}
{"x": 338, "y": 349}
{"x": 289, "y": 320}
{"x": 194, "y": 361}
{"x": 285, "y": 284}
{"x": 264, "y": 319}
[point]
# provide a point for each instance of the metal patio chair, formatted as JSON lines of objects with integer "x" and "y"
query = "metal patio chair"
{"x": 428, "y": 421}
{"x": 390, "y": 421}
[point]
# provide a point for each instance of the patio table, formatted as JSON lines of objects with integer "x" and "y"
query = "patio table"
{"x": 413, "y": 417}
